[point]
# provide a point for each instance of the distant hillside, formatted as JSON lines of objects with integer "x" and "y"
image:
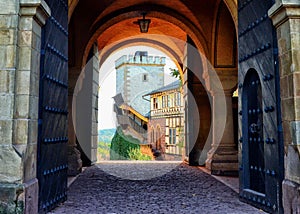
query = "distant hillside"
{"x": 105, "y": 135}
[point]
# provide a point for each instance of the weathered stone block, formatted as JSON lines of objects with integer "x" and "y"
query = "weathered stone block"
{"x": 95, "y": 116}
{"x": 6, "y": 105}
{"x": 95, "y": 129}
{"x": 33, "y": 107}
{"x": 2, "y": 56}
{"x": 33, "y": 131}
{"x": 295, "y": 26}
{"x": 94, "y": 102}
{"x": 285, "y": 60}
{"x": 94, "y": 155}
{"x": 22, "y": 106}
{"x": 95, "y": 87}
{"x": 5, "y": 132}
{"x": 35, "y": 63}
{"x": 36, "y": 28}
{"x": 7, "y": 81}
{"x": 7, "y": 54}
{"x": 30, "y": 161}
{"x": 36, "y": 42}
{"x": 25, "y": 38}
{"x": 288, "y": 109}
{"x": 8, "y": 21}
{"x": 286, "y": 135}
{"x": 24, "y": 58}
{"x": 284, "y": 41}
{"x": 295, "y": 39}
{"x": 23, "y": 82}
{"x": 10, "y": 56}
{"x": 290, "y": 86}
{"x": 9, "y": 7}
{"x": 7, "y": 37}
{"x": 295, "y": 132}
{"x": 297, "y": 108}
{"x": 284, "y": 90}
{"x": 11, "y": 170}
{"x": 25, "y": 23}
{"x": 96, "y": 78}
{"x": 34, "y": 80}
{"x": 292, "y": 171}
{"x": 94, "y": 141}
{"x": 295, "y": 67}
{"x": 21, "y": 131}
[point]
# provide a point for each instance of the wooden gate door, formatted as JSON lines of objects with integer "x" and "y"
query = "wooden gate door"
{"x": 261, "y": 144}
{"x": 252, "y": 105}
{"x": 53, "y": 101}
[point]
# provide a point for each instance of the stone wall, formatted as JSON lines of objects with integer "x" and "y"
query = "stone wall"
{"x": 11, "y": 169}
{"x": 20, "y": 35}
{"x": 286, "y": 18}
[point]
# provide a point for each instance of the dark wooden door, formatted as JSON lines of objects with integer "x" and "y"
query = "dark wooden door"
{"x": 53, "y": 101}
{"x": 261, "y": 144}
{"x": 252, "y": 107}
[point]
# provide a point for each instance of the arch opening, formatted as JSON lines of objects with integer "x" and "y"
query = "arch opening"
{"x": 108, "y": 41}
{"x": 253, "y": 132}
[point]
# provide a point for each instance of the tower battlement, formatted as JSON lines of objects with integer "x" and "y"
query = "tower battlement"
{"x": 140, "y": 60}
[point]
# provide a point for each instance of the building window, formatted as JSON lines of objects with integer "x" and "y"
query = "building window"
{"x": 145, "y": 78}
{"x": 155, "y": 103}
{"x": 177, "y": 99}
{"x": 164, "y": 101}
{"x": 172, "y": 135}
{"x": 171, "y": 100}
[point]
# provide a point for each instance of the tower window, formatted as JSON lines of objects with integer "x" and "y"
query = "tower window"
{"x": 145, "y": 77}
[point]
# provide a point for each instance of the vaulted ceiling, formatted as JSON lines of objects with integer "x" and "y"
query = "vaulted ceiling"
{"x": 111, "y": 23}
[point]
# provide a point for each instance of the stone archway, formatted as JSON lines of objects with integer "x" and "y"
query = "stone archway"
{"x": 197, "y": 18}
{"x": 103, "y": 29}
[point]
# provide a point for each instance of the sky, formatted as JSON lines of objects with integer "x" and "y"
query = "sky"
{"x": 107, "y": 82}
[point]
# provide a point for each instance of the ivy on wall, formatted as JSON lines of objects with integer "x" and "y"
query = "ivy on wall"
{"x": 122, "y": 145}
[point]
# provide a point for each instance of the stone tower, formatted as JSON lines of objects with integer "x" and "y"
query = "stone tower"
{"x": 138, "y": 75}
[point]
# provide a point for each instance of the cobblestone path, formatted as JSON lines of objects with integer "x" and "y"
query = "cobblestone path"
{"x": 184, "y": 189}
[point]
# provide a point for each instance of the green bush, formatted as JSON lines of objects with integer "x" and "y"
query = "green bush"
{"x": 135, "y": 154}
{"x": 121, "y": 145}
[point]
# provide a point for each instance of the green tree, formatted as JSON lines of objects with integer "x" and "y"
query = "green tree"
{"x": 175, "y": 73}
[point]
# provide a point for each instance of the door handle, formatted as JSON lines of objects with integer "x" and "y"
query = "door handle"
{"x": 254, "y": 128}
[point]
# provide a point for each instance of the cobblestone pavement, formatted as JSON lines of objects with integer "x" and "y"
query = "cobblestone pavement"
{"x": 184, "y": 189}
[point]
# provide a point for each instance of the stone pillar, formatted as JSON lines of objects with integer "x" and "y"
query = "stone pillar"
{"x": 95, "y": 92}
{"x": 285, "y": 15}
{"x": 223, "y": 156}
{"x": 74, "y": 159}
{"x": 20, "y": 29}
{"x": 83, "y": 119}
